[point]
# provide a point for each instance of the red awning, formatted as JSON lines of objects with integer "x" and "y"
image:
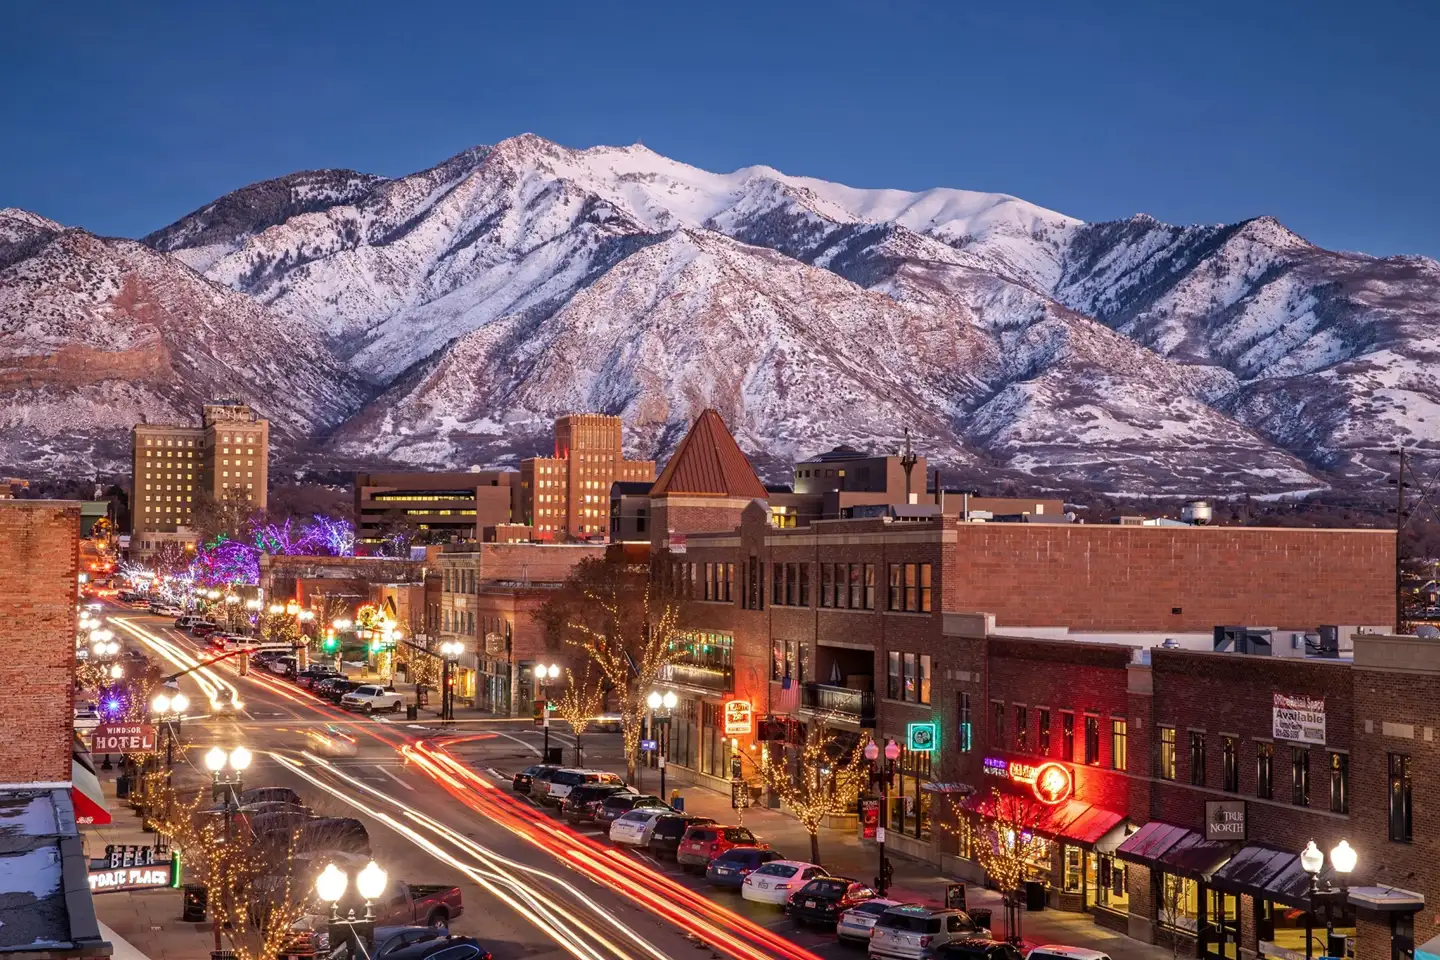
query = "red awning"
{"x": 1074, "y": 820}
{"x": 88, "y": 798}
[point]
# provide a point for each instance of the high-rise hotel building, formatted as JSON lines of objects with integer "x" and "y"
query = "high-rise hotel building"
{"x": 173, "y": 467}
{"x": 568, "y": 495}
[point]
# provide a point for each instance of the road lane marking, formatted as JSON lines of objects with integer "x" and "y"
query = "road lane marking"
{"x": 534, "y": 750}
{"x": 393, "y": 777}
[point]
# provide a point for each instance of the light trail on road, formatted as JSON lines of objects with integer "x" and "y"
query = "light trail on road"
{"x": 497, "y": 875}
{"x": 206, "y": 677}
{"x": 708, "y": 921}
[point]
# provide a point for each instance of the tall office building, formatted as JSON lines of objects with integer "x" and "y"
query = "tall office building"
{"x": 173, "y": 467}
{"x": 568, "y": 495}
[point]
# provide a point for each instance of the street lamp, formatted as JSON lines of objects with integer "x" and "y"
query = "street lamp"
{"x": 170, "y": 710}
{"x": 1343, "y": 859}
{"x": 227, "y": 789}
{"x": 657, "y": 702}
{"x": 543, "y": 675}
{"x": 450, "y": 651}
{"x": 357, "y": 932}
{"x": 872, "y": 753}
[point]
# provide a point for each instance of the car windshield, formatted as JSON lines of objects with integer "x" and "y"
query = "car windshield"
{"x": 778, "y": 870}
{"x": 827, "y": 888}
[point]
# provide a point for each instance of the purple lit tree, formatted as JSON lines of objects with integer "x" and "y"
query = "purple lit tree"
{"x": 226, "y": 562}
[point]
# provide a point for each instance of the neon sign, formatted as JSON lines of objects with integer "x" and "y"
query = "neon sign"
{"x": 1050, "y": 782}
{"x": 920, "y": 737}
{"x": 739, "y": 718}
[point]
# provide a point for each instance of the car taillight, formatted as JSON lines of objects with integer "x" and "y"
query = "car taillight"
{"x": 925, "y": 942}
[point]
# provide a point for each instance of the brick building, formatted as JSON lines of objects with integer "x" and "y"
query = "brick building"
{"x": 568, "y": 495}
{"x": 443, "y": 506}
{"x": 173, "y": 467}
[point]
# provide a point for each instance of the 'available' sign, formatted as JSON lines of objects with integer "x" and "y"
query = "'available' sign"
{"x": 123, "y": 738}
{"x": 1299, "y": 718}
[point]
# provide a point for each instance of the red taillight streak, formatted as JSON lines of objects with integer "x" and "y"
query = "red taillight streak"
{"x": 610, "y": 866}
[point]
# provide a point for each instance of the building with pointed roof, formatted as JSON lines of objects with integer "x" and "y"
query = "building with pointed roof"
{"x": 706, "y": 485}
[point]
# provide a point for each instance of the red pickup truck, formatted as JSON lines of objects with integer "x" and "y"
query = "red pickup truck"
{"x": 404, "y": 904}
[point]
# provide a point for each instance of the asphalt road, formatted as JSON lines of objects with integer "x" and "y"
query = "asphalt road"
{"x": 532, "y": 886}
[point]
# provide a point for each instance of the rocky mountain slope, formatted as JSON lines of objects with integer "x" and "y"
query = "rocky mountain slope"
{"x": 480, "y": 298}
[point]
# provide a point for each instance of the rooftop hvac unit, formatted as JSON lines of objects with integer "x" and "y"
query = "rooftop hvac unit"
{"x": 1243, "y": 639}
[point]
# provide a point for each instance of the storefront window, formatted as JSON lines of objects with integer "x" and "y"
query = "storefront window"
{"x": 1280, "y": 927}
{"x": 1105, "y": 882}
{"x": 1179, "y": 907}
{"x": 1074, "y": 869}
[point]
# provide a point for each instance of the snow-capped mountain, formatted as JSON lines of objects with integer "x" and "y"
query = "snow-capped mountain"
{"x": 509, "y": 284}
{"x": 102, "y": 334}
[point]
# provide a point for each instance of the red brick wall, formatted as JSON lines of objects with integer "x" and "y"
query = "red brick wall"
{"x": 1101, "y": 577}
{"x": 533, "y": 561}
{"x": 38, "y": 570}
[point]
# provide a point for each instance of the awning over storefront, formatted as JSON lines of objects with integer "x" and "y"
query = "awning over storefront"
{"x": 955, "y": 788}
{"x": 1252, "y": 869}
{"x": 1074, "y": 821}
{"x": 1195, "y": 857}
{"x": 1113, "y": 838}
{"x": 1145, "y": 845}
{"x": 1291, "y": 886}
{"x": 87, "y": 797}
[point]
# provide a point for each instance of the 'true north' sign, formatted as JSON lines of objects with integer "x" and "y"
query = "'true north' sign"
{"x": 123, "y": 738}
{"x": 1225, "y": 820}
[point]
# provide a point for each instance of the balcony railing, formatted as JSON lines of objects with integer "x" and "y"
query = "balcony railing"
{"x": 843, "y": 702}
{"x": 701, "y": 676}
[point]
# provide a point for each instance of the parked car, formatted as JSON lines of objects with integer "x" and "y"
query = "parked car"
{"x": 263, "y": 658}
{"x": 705, "y": 842}
{"x": 184, "y": 621}
{"x": 616, "y": 805}
{"x": 331, "y": 835}
{"x": 776, "y": 880}
{"x": 564, "y": 780}
{"x": 1056, "y": 951}
{"x": 270, "y": 795}
{"x": 633, "y": 829}
{"x": 387, "y": 940}
{"x": 915, "y": 931}
{"x": 372, "y": 698}
{"x": 445, "y": 948}
{"x": 670, "y": 830}
{"x": 822, "y": 900}
{"x": 334, "y": 690}
{"x": 430, "y": 904}
{"x": 732, "y": 867}
{"x": 522, "y": 781}
{"x": 584, "y": 801}
{"x": 855, "y": 924}
{"x": 87, "y": 717}
{"x": 977, "y": 948}
{"x": 314, "y": 673}
{"x": 203, "y": 628}
{"x": 285, "y": 666}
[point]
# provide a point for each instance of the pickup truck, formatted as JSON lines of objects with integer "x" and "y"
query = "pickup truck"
{"x": 425, "y": 904}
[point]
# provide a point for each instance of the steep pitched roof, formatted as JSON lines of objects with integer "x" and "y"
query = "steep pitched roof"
{"x": 708, "y": 463}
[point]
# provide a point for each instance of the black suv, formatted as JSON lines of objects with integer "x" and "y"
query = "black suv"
{"x": 976, "y": 948}
{"x": 616, "y": 805}
{"x": 584, "y": 801}
{"x": 665, "y": 839}
{"x": 523, "y": 780}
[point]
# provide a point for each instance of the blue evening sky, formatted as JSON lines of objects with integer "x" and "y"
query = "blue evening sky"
{"x": 121, "y": 117}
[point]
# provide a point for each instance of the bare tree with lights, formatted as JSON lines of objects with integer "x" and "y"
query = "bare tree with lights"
{"x": 827, "y": 781}
{"x": 1011, "y": 846}
{"x": 581, "y": 702}
{"x": 627, "y": 626}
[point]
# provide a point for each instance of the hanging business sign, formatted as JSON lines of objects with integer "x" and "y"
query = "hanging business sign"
{"x": 739, "y": 718}
{"x": 123, "y": 738}
{"x": 1051, "y": 783}
{"x": 128, "y": 867}
{"x": 1298, "y": 718}
{"x": 1224, "y": 819}
{"x": 921, "y": 737}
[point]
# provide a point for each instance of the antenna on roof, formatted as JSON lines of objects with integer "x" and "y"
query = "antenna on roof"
{"x": 907, "y": 461}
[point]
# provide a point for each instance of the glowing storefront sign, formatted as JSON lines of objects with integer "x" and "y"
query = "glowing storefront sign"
{"x": 739, "y": 718}
{"x": 1050, "y": 782}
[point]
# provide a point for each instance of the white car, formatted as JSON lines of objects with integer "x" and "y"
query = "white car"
{"x": 87, "y": 718}
{"x": 856, "y": 923}
{"x": 913, "y": 931}
{"x": 1055, "y": 951}
{"x": 776, "y": 880}
{"x": 563, "y": 781}
{"x": 370, "y": 698}
{"x": 635, "y": 828}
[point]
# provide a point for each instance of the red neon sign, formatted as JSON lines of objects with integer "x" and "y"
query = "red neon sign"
{"x": 1052, "y": 784}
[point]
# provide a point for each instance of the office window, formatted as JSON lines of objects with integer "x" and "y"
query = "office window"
{"x": 895, "y": 597}
{"x": 777, "y": 585}
{"x": 729, "y": 583}
{"x": 827, "y": 585}
{"x": 892, "y": 685}
{"x": 1264, "y": 770}
{"x": 1339, "y": 783}
{"x": 912, "y": 588}
{"x": 1230, "y": 762}
{"x": 1401, "y": 819}
{"x": 910, "y": 687}
{"x": 1300, "y": 776}
{"x": 1022, "y": 729}
{"x": 1119, "y": 734}
{"x": 924, "y": 678}
{"x": 1043, "y": 744}
{"x": 869, "y": 586}
{"x": 1197, "y": 758}
{"x": 1165, "y": 754}
{"x": 997, "y": 723}
{"x": 1092, "y": 739}
{"x": 857, "y": 586}
{"x": 804, "y": 598}
{"x": 966, "y": 725}
{"x": 925, "y": 587}
{"x": 1067, "y": 737}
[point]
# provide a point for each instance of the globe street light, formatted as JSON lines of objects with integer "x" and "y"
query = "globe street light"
{"x": 661, "y": 703}
{"x": 872, "y": 753}
{"x": 450, "y": 652}
{"x": 170, "y": 710}
{"x": 1342, "y": 859}
{"x": 227, "y": 789}
{"x": 543, "y": 675}
{"x": 358, "y": 933}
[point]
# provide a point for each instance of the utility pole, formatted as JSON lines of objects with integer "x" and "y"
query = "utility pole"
{"x": 1399, "y": 529}
{"x": 907, "y": 462}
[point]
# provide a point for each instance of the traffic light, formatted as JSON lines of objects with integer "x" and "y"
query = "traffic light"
{"x": 330, "y": 644}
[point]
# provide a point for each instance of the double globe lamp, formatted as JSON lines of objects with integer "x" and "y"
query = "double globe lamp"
{"x": 370, "y": 883}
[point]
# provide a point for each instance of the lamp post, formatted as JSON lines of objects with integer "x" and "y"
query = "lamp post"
{"x": 170, "y": 710}
{"x": 872, "y": 753}
{"x": 357, "y": 932}
{"x": 543, "y": 675}
{"x": 658, "y": 701}
{"x": 1343, "y": 859}
{"x": 450, "y": 651}
{"x": 227, "y": 789}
